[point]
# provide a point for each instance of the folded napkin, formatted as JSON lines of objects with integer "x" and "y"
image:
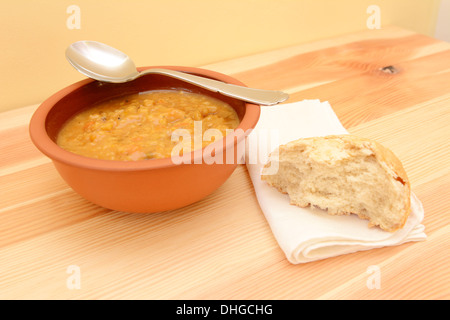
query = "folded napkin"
{"x": 309, "y": 234}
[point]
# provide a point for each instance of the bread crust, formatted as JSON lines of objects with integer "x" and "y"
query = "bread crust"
{"x": 384, "y": 156}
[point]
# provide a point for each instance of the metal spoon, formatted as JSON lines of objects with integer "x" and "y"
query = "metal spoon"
{"x": 104, "y": 63}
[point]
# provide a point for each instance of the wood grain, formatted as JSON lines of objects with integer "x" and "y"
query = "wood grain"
{"x": 221, "y": 247}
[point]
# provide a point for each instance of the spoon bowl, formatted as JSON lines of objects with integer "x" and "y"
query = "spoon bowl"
{"x": 101, "y": 62}
{"x": 104, "y": 63}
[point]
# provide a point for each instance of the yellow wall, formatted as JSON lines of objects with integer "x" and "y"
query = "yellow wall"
{"x": 34, "y": 34}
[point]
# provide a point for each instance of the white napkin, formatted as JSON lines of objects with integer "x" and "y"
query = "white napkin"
{"x": 309, "y": 234}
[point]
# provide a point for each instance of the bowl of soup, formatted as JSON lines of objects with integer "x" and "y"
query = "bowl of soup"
{"x": 149, "y": 145}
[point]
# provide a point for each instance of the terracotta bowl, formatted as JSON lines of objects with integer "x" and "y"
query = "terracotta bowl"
{"x": 139, "y": 186}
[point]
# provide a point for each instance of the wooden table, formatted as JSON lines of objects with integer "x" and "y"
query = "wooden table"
{"x": 392, "y": 85}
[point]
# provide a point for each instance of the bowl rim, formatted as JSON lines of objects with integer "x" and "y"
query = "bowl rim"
{"x": 40, "y": 138}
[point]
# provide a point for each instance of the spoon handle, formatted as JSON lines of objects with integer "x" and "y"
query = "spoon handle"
{"x": 257, "y": 96}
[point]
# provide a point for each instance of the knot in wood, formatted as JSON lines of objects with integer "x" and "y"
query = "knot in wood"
{"x": 389, "y": 69}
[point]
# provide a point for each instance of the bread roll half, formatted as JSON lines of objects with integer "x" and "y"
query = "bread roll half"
{"x": 343, "y": 174}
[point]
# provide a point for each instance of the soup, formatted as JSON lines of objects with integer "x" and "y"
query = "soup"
{"x": 141, "y": 126}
